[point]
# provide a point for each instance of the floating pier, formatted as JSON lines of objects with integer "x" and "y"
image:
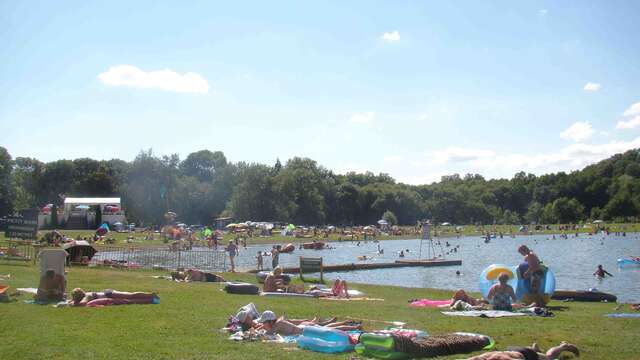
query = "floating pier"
{"x": 370, "y": 266}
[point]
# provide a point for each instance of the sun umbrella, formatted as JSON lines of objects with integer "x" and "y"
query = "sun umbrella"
{"x": 445, "y": 224}
{"x": 232, "y": 225}
{"x": 82, "y": 207}
{"x": 598, "y": 222}
{"x": 383, "y": 222}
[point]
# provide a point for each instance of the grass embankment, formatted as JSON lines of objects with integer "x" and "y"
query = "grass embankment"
{"x": 185, "y": 324}
{"x": 441, "y": 231}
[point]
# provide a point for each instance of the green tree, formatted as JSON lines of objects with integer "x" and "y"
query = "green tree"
{"x": 390, "y": 217}
{"x": 7, "y": 193}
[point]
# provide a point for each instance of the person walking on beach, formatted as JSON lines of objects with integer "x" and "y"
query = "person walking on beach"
{"x": 232, "y": 249}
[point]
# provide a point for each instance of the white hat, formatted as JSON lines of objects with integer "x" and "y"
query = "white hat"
{"x": 267, "y": 315}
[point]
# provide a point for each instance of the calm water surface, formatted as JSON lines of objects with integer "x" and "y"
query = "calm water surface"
{"x": 572, "y": 260}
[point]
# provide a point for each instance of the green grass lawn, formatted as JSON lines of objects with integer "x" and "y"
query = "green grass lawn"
{"x": 185, "y": 325}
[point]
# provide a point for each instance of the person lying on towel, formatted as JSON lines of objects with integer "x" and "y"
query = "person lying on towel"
{"x": 528, "y": 353}
{"x": 111, "y": 297}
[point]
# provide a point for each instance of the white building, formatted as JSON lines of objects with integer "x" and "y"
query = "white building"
{"x": 80, "y": 213}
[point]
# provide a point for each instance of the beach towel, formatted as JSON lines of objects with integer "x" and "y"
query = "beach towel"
{"x": 429, "y": 303}
{"x": 287, "y": 294}
{"x": 28, "y": 290}
{"x": 441, "y": 345}
{"x": 624, "y": 315}
{"x": 334, "y": 298}
{"x": 484, "y": 313}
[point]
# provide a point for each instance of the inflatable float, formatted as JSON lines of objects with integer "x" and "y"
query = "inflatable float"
{"x": 287, "y": 249}
{"x": 316, "y": 245}
{"x": 323, "y": 339}
{"x": 379, "y": 346}
{"x": 583, "y": 296}
{"x": 628, "y": 262}
{"x": 241, "y": 288}
{"x": 489, "y": 277}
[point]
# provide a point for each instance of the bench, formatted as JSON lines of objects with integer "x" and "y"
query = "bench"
{"x": 311, "y": 265}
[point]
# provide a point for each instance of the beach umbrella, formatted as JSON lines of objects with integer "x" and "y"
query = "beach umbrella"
{"x": 598, "y": 222}
{"x": 82, "y": 207}
{"x": 445, "y": 224}
{"x": 231, "y": 226}
{"x": 383, "y": 222}
{"x": 291, "y": 227}
{"x": 79, "y": 248}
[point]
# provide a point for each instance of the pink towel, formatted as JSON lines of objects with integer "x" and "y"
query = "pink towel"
{"x": 429, "y": 303}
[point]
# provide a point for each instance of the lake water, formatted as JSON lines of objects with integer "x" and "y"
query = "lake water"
{"x": 572, "y": 260}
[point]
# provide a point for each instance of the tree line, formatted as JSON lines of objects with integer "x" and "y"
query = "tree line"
{"x": 205, "y": 185}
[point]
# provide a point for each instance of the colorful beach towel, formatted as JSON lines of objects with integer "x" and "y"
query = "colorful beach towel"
{"x": 429, "y": 303}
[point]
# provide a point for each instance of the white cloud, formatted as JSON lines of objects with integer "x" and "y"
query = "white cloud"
{"x": 362, "y": 118}
{"x": 578, "y": 132}
{"x": 456, "y": 154}
{"x": 391, "y": 36}
{"x": 543, "y": 12}
{"x": 633, "y": 110}
{"x": 165, "y": 79}
{"x": 629, "y": 124}
{"x": 432, "y": 165}
{"x": 591, "y": 86}
{"x": 422, "y": 116}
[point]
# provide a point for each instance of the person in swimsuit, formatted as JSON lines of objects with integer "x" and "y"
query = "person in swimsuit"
{"x": 111, "y": 297}
{"x": 52, "y": 287}
{"x": 274, "y": 325}
{"x": 533, "y": 273}
{"x": 529, "y": 353}
{"x": 501, "y": 294}
{"x": 274, "y": 282}
{"x": 601, "y": 273}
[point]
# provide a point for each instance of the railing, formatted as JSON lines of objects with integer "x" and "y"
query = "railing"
{"x": 213, "y": 260}
{"x": 16, "y": 251}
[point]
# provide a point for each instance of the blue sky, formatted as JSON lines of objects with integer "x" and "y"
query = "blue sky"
{"x": 411, "y": 88}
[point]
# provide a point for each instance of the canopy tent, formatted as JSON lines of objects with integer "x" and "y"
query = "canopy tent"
{"x": 383, "y": 222}
{"x": 92, "y": 201}
{"x": 78, "y": 249}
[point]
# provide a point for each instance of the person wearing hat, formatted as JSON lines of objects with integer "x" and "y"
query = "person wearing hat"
{"x": 273, "y": 325}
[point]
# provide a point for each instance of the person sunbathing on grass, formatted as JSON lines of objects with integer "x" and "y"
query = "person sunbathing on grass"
{"x": 502, "y": 294}
{"x": 196, "y": 275}
{"x": 111, "y": 297}
{"x": 529, "y": 353}
{"x": 274, "y": 325}
{"x": 461, "y": 296}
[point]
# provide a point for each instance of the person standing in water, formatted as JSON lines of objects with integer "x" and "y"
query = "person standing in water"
{"x": 601, "y": 273}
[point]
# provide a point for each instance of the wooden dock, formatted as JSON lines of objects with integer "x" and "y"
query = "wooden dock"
{"x": 370, "y": 266}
